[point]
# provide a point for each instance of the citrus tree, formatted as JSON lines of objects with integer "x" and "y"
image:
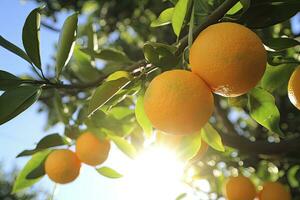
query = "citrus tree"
{"x": 216, "y": 81}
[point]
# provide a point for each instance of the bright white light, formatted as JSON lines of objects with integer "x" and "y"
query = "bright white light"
{"x": 155, "y": 175}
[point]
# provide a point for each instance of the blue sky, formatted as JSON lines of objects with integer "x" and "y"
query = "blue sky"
{"x": 26, "y": 129}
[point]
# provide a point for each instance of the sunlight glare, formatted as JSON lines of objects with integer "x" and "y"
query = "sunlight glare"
{"x": 155, "y": 174}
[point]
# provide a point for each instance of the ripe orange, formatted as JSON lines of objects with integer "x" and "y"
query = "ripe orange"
{"x": 229, "y": 57}
{"x": 294, "y": 88}
{"x": 240, "y": 188}
{"x": 91, "y": 150}
{"x": 178, "y": 102}
{"x": 62, "y": 166}
{"x": 274, "y": 191}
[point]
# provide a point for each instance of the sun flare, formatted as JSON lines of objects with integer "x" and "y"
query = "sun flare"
{"x": 154, "y": 174}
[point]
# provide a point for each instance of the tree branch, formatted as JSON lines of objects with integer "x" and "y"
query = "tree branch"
{"x": 214, "y": 17}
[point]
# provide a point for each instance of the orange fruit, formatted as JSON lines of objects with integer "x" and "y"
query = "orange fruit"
{"x": 274, "y": 191}
{"x": 239, "y": 188}
{"x": 229, "y": 57}
{"x": 178, "y": 102}
{"x": 62, "y": 166}
{"x": 294, "y": 88}
{"x": 91, "y": 150}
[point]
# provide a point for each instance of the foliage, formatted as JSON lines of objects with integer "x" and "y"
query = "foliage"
{"x": 151, "y": 37}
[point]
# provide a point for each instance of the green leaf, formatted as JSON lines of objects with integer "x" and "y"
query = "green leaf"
{"x": 83, "y": 68}
{"x": 31, "y": 37}
{"x": 160, "y": 55}
{"x": 181, "y": 196}
{"x": 293, "y": 176}
{"x": 13, "y": 102}
{"x": 48, "y": 141}
{"x": 189, "y": 146}
{"x": 164, "y": 18}
{"x": 141, "y": 116}
{"x": 262, "y": 107}
{"x": 281, "y": 43}
{"x": 263, "y": 14}
{"x": 113, "y": 55}
{"x": 277, "y": 77}
{"x": 14, "y": 49}
{"x": 22, "y": 181}
{"x": 8, "y": 81}
{"x": 66, "y": 43}
{"x": 124, "y": 146}
{"x": 179, "y": 16}
{"x": 212, "y": 138}
{"x": 105, "y": 92}
{"x": 109, "y": 172}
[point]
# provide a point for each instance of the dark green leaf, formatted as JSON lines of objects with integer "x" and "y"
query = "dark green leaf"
{"x": 263, "y": 14}
{"x": 22, "y": 181}
{"x": 109, "y": 172}
{"x": 212, "y": 137}
{"x": 124, "y": 146}
{"x": 164, "y": 18}
{"x": 48, "y": 141}
{"x": 141, "y": 117}
{"x": 179, "y": 15}
{"x": 263, "y": 109}
{"x": 13, "y": 102}
{"x": 31, "y": 37}
{"x": 8, "y": 81}
{"x": 66, "y": 43}
{"x": 105, "y": 92}
{"x": 281, "y": 43}
{"x": 14, "y": 49}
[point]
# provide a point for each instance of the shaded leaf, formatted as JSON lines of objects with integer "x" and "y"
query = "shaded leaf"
{"x": 281, "y": 43}
{"x": 109, "y": 172}
{"x": 179, "y": 15}
{"x": 164, "y": 18}
{"x": 14, "y": 49}
{"x": 124, "y": 146}
{"x": 263, "y": 14}
{"x": 212, "y": 137}
{"x": 105, "y": 92}
{"x": 31, "y": 37}
{"x": 141, "y": 116}
{"x": 22, "y": 181}
{"x": 263, "y": 109}
{"x": 181, "y": 196}
{"x": 66, "y": 43}
{"x": 8, "y": 80}
{"x": 48, "y": 141}
{"x": 13, "y": 102}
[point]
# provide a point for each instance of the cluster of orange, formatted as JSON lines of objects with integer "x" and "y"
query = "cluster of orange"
{"x": 227, "y": 59}
{"x": 63, "y": 165}
{"x": 241, "y": 187}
